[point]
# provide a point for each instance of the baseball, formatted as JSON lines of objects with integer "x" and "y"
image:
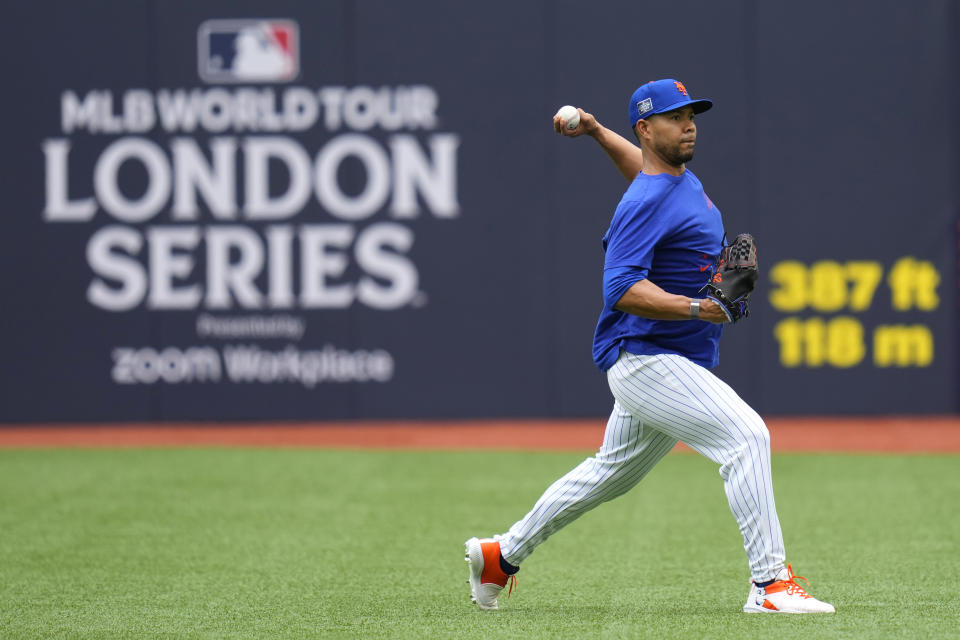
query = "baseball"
{"x": 570, "y": 115}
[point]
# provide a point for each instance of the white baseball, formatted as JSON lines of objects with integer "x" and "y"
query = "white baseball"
{"x": 570, "y": 115}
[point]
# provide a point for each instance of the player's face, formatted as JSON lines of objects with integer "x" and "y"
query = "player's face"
{"x": 673, "y": 135}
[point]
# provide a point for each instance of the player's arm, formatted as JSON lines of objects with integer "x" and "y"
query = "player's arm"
{"x": 627, "y": 156}
{"x": 647, "y": 300}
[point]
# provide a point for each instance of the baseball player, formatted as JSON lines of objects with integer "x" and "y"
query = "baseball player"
{"x": 656, "y": 339}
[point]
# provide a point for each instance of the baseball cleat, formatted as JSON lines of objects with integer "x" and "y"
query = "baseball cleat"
{"x": 487, "y": 579}
{"x": 784, "y": 596}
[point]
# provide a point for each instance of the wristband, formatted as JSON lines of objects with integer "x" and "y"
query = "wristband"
{"x": 694, "y": 309}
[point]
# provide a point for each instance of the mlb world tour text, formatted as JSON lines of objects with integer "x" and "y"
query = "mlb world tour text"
{"x": 251, "y": 158}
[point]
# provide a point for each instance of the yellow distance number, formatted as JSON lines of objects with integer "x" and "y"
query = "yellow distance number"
{"x": 816, "y": 342}
{"x": 840, "y": 343}
{"x": 825, "y": 285}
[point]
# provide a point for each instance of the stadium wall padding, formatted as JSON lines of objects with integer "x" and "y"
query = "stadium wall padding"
{"x": 336, "y": 210}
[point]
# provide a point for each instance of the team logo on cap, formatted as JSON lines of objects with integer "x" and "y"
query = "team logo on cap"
{"x": 645, "y": 105}
{"x": 248, "y": 50}
{"x": 682, "y": 89}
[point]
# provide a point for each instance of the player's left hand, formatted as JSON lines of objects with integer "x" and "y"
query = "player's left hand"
{"x": 735, "y": 278}
{"x": 588, "y": 124}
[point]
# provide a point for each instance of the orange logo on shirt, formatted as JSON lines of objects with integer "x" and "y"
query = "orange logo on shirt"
{"x": 682, "y": 89}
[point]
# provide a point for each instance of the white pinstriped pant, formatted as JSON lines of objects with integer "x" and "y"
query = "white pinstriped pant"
{"x": 660, "y": 400}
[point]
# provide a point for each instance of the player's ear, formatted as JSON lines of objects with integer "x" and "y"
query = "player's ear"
{"x": 641, "y": 129}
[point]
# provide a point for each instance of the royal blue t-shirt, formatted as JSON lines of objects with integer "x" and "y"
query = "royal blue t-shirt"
{"x": 667, "y": 230}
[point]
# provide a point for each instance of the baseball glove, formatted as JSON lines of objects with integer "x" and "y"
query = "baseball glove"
{"x": 734, "y": 277}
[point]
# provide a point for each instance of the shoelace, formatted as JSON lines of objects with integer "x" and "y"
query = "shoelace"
{"x": 513, "y": 585}
{"x": 793, "y": 587}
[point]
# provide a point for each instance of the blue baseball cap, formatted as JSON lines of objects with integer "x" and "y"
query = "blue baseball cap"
{"x": 660, "y": 96}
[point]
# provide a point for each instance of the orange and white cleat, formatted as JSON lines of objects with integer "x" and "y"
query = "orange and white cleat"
{"x": 785, "y": 595}
{"x": 487, "y": 579}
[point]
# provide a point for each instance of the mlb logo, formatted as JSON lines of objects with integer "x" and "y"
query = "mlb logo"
{"x": 248, "y": 50}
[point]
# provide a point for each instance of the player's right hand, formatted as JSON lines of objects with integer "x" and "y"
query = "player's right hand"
{"x": 587, "y": 125}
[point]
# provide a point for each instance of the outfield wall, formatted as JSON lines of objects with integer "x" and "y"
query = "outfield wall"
{"x": 339, "y": 210}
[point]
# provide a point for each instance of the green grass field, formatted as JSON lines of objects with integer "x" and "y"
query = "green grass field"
{"x": 239, "y": 543}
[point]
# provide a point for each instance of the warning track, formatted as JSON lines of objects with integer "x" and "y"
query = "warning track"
{"x": 903, "y": 434}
